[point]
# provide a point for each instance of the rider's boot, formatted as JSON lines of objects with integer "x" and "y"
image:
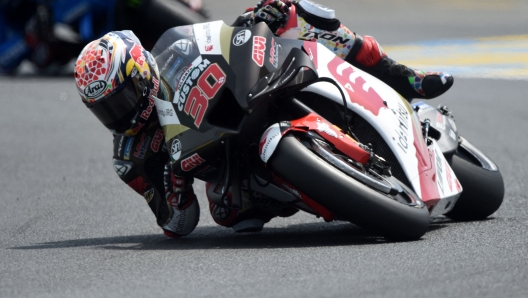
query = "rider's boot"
{"x": 256, "y": 211}
{"x": 367, "y": 55}
{"x": 184, "y": 211}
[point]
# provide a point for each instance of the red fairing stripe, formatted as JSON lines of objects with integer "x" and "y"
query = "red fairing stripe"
{"x": 427, "y": 170}
{"x": 311, "y": 50}
{"x": 332, "y": 134}
{"x": 342, "y": 72}
{"x": 322, "y": 211}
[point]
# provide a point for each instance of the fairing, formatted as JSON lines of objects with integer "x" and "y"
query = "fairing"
{"x": 208, "y": 70}
{"x": 395, "y": 120}
{"x": 203, "y": 66}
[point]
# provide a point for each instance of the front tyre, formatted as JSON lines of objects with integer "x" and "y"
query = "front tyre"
{"x": 345, "y": 196}
{"x": 482, "y": 183}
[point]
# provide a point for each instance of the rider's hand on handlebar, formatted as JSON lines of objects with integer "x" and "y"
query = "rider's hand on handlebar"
{"x": 274, "y": 13}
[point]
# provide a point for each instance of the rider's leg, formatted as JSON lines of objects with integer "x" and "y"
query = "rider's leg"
{"x": 368, "y": 55}
{"x": 313, "y": 22}
{"x": 148, "y": 173}
{"x": 255, "y": 212}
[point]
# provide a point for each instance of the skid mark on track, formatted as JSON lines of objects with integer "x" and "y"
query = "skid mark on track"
{"x": 504, "y": 57}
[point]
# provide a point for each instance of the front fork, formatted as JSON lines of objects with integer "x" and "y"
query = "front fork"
{"x": 316, "y": 126}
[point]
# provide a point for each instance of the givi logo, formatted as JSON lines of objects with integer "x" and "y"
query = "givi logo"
{"x": 192, "y": 162}
{"x": 259, "y": 48}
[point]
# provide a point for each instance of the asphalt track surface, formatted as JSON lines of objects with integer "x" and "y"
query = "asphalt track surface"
{"x": 71, "y": 228}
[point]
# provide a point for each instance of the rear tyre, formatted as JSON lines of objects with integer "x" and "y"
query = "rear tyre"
{"x": 482, "y": 183}
{"x": 348, "y": 198}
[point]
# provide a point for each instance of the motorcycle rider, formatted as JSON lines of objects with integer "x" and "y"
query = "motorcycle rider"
{"x": 118, "y": 80}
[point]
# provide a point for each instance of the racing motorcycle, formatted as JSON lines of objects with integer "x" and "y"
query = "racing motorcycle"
{"x": 255, "y": 114}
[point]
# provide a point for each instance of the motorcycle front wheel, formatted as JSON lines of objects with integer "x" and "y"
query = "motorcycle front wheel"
{"x": 392, "y": 216}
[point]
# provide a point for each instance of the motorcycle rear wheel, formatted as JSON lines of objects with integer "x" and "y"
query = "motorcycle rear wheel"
{"x": 346, "y": 197}
{"x": 483, "y": 189}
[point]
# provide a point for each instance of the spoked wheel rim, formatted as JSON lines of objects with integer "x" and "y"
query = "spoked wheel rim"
{"x": 386, "y": 185}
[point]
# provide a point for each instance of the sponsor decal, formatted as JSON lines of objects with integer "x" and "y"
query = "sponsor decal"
{"x": 183, "y": 46}
{"x": 259, "y": 48}
{"x": 136, "y": 129}
{"x": 191, "y": 162}
{"x": 128, "y": 148}
{"x": 176, "y": 149}
{"x": 148, "y": 195}
{"x": 269, "y": 141}
{"x": 208, "y": 40}
{"x": 142, "y": 146}
{"x": 156, "y": 140}
{"x": 137, "y": 54}
{"x": 274, "y": 53}
{"x": 146, "y": 113}
{"x": 402, "y": 129}
{"x": 440, "y": 120}
{"x": 209, "y": 82}
{"x": 138, "y": 185}
{"x": 324, "y": 127}
{"x": 449, "y": 176}
{"x": 439, "y": 172}
{"x": 178, "y": 78}
{"x": 188, "y": 79}
{"x": 120, "y": 146}
{"x": 220, "y": 213}
{"x": 154, "y": 90}
{"x": 122, "y": 169}
{"x": 241, "y": 37}
{"x": 167, "y": 63}
{"x": 311, "y": 48}
{"x": 175, "y": 66}
{"x": 311, "y": 35}
{"x": 95, "y": 89}
{"x": 359, "y": 91}
{"x": 177, "y": 223}
{"x": 168, "y": 112}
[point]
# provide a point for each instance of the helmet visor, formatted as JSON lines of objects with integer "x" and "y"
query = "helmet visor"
{"x": 117, "y": 110}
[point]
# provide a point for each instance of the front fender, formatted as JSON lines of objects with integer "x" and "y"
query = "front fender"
{"x": 316, "y": 124}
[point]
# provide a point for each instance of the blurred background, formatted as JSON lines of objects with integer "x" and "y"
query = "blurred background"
{"x": 71, "y": 227}
{"x": 41, "y": 37}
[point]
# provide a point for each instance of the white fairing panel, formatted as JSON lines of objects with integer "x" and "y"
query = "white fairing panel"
{"x": 269, "y": 141}
{"x": 393, "y": 119}
{"x": 208, "y": 37}
{"x": 448, "y": 186}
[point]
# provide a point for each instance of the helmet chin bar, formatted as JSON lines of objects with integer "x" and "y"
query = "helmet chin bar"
{"x": 133, "y": 121}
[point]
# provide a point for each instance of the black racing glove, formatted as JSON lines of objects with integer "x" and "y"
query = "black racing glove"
{"x": 274, "y": 13}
